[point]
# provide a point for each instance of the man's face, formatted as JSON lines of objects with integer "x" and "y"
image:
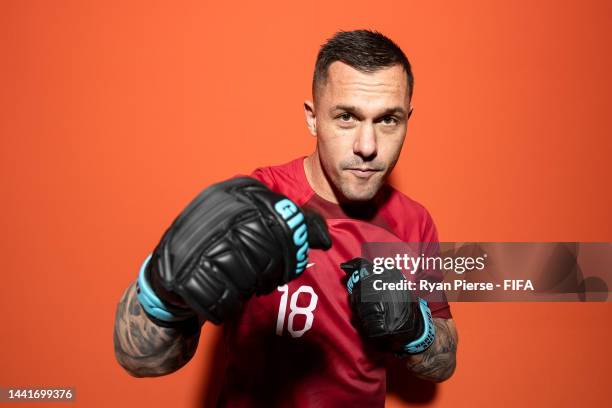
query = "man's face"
{"x": 360, "y": 123}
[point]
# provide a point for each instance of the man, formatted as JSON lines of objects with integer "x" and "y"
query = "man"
{"x": 306, "y": 341}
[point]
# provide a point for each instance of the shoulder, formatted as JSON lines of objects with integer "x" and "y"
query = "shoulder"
{"x": 277, "y": 175}
{"x": 411, "y": 220}
{"x": 287, "y": 178}
{"x": 265, "y": 175}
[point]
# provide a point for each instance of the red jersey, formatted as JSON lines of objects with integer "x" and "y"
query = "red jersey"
{"x": 297, "y": 347}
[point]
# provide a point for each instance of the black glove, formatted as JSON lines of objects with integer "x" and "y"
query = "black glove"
{"x": 234, "y": 239}
{"x": 395, "y": 319}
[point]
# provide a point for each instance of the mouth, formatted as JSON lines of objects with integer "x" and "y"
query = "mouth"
{"x": 363, "y": 172}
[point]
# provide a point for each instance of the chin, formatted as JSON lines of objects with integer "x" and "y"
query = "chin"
{"x": 359, "y": 194}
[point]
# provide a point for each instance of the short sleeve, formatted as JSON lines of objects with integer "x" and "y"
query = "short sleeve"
{"x": 429, "y": 237}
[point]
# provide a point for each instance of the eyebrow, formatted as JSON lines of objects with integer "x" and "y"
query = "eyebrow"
{"x": 396, "y": 110}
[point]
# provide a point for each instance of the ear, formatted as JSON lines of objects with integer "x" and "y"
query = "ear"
{"x": 311, "y": 119}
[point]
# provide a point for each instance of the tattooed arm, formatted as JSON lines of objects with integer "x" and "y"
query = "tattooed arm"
{"x": 145, "y": 349}
{"x": 437, "y": 363}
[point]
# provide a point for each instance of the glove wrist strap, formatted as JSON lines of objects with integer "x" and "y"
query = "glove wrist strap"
{"x": 426, "y": 339}
{"x": 151, "y": 303}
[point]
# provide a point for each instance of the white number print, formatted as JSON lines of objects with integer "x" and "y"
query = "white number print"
{"x": 295, "y": 310}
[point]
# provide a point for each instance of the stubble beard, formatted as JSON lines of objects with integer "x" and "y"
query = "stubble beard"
{"x": 352, "y": 191}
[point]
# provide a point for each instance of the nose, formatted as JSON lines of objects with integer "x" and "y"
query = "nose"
{"x": 365, "y": 142}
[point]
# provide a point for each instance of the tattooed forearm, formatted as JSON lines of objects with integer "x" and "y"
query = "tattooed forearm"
{"x": 437, "y": 363}
{"x": 145, "y": 349}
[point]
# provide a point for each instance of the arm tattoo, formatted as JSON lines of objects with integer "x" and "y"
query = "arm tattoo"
{"x": 145, "y": 349}
{"x": 437, "y": 363}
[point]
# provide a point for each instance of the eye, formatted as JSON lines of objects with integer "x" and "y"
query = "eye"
{"x": 389, "y": 120}
{"x": 345, "y": 117}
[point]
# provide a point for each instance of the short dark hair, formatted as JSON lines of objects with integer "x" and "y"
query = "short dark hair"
{"x": 364, "y": 50}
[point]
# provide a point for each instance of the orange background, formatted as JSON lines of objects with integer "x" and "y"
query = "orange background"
{"x": 114, "y": 114}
